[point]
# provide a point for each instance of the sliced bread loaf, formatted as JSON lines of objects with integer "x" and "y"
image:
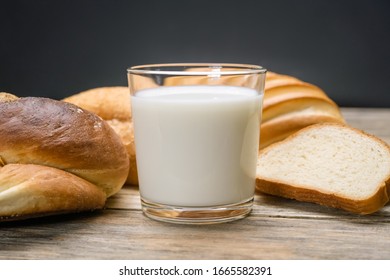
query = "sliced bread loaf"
{"x": 290, "y": 104}
{"x": 329, "y": 164}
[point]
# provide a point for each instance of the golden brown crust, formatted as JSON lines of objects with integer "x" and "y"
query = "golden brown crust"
{"x": 301, "y": 193}
{"x": 281, "y": 127}
{"x": 113, "y": 105}
{"x": 366, "y": 206}
{"x": 107, "y": 102}
{"x": 53, "y": 133}
{"x": 280, "y": 80}
{"x": 301, "y": 104}
{"x": 126, "y": 131}
{"x": 28, "y": 190}
{"x": 290, "y": 104}
{"x": 292, "y": 90}
{"x": 271, "y": 76}
{"x": 7, "y": 97}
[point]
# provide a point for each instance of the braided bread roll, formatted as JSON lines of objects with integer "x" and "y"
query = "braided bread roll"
{"x": 55, "y": 158}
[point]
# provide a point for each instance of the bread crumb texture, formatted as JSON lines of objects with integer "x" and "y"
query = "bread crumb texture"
{"x": 332, "y": 159}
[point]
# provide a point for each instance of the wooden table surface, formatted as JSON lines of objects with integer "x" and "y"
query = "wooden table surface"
{"x": 276, "y": 229}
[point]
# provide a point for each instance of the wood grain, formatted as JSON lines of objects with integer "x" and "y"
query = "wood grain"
{"x": 276, "y": 229}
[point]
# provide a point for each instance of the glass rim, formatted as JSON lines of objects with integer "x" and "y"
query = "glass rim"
{"x": 154, "y": 69}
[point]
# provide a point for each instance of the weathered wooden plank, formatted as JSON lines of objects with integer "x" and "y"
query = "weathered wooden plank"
{"x": 115, "y": 234}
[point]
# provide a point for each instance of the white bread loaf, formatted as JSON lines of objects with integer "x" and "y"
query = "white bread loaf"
{"x": 329, "y": 164}
{"x": 290, "y": 105}
{"x": 55, "y": 157}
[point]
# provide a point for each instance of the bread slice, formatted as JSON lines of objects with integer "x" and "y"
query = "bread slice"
{"x": 330, "y": 164}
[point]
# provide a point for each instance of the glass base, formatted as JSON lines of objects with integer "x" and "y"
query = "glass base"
{"x": 196, "y": 215}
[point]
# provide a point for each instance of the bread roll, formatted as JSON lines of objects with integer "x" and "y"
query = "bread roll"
{"x": 107, "y": 102}
{"x": 113, "y": 105}
{"x": 57, "y": 138}
{"x": 28, "y": 190}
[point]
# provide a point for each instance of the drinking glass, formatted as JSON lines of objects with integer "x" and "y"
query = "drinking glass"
{"x": 196, "y": 129}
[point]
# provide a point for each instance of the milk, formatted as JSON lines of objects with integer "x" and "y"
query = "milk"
{"x": 197, "y": 145}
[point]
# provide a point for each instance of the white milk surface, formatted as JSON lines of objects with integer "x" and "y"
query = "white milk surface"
{"x": 197, "y": 145}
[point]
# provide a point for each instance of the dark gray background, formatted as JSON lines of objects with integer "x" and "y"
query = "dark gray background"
{"x": 58, "y": 48}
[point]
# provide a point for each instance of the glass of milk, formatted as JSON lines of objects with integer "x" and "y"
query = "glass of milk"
{"x": 196, "y": 129}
